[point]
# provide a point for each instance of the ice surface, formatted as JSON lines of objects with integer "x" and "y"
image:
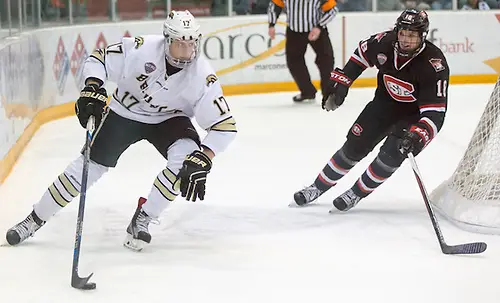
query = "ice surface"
{"x": 243, "y": 244}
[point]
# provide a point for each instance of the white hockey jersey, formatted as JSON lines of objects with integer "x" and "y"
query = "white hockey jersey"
{"x": 145, "y": 92}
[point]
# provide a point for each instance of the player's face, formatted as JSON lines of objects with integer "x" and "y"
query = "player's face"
{"x": 408, "y": 40}
{"x": 183, "y": 50}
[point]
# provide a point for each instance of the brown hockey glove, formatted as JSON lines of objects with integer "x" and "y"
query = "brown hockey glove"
{"x": 337, "y": 90}
{"x": 193, "y": 175}
{"x": 91, "y": 103}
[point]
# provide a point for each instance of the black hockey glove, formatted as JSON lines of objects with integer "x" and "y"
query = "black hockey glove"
{"x": 91, "y": 103}
{"x": 193, "y": 175}
{"x": 337, "y": 90}
{"x": 413, "y": 141}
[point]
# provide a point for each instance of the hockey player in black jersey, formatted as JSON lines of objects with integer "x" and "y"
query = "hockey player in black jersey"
{"x": 408, "y": 108}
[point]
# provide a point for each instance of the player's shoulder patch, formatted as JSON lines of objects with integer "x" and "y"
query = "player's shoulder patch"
{"x": 437, "y": 64}
{"x": 138, "y": 41}
{"x": 211, "y": 79}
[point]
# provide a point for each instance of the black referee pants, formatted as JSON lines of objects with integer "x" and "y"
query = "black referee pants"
{"x": 296, "y": 45}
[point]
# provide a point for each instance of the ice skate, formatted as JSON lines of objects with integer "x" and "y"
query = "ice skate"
{"x": 138, "y": 235}
{"x": 306, "y": 196}
{"x": 24, "y": 229}
{"x": 346, "y": 201}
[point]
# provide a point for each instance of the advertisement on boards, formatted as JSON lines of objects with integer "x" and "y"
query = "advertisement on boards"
{"x": 239, "y": 49}
{"x": 21, "y": 82}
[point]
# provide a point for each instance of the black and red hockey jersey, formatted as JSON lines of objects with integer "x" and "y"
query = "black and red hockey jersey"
{"x": 422, "y": 80}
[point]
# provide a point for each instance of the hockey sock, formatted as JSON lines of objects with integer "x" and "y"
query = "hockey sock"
{"x": 373, "y": 177}
{"x": 162, "y": 193}
{"x": 336, "y": 168}
{"x": 66, "y": 187}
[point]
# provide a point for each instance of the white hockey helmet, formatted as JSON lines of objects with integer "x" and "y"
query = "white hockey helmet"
{"x": 182, "y": 38}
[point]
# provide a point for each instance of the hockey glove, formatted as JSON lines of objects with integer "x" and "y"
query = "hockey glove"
{"x": 91, "y": 103}
{"x": 337, "y": 90}
{"x": 414, "y": 140}
{"x": 193, "y": 175}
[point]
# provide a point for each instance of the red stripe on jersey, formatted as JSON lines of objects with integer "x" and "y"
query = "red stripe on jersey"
{"x": 433, "y": 105}
{"x": 358, "y": 62}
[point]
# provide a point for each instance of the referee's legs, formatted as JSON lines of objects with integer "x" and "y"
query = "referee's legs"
{"x": 296, "y": 45}
{"x": 325, "y": 59}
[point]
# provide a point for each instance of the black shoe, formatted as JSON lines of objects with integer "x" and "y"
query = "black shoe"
{"x": 24, "y": 229}
{"x": 300, "y": 98}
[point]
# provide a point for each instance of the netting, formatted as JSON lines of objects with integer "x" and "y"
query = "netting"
{"x": 471, "y": 197}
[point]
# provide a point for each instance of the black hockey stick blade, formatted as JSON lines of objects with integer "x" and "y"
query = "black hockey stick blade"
{"x": 82, "y": 283}
{"x": 464, "y": 249}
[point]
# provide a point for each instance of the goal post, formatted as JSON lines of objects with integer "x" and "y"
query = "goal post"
{"x": 471, "y": 196}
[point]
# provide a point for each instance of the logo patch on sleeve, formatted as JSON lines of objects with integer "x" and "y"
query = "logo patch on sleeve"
{"x": 357, "y": 130}
{"x": 381, "y": 58}
{"x": 437, "y": 64}
{"x": 211, "y": 79}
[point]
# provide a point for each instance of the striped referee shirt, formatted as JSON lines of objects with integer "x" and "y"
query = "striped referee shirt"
{"x": 303, "y": 15}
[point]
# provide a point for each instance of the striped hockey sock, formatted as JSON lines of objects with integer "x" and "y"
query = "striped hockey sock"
{"x": 373, "y": 177}
{"x": 336, "y": 168}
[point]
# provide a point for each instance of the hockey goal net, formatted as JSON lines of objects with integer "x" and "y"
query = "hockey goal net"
{"x": 471, "y": 197}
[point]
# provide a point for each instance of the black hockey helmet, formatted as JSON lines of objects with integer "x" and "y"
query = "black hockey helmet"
{"x": 412, "y": 20}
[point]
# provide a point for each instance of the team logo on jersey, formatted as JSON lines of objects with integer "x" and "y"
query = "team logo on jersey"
{"x": 399, "y": 90}
{"x": 149, "y": 67}
{"x": 381, "y": 58}
{"x": 357, "y": 130}
{"x": 437, "y": 64}
{"x": 211, "y": 79}
{"x": 139, "y": 41}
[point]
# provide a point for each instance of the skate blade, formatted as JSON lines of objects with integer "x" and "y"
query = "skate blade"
{"x": 294, "y": 204}
{"x": 134, "y": 244}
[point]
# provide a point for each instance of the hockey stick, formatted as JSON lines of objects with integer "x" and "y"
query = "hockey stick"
{"x": 76, "y": 281}
{"x": 468, "y": 248}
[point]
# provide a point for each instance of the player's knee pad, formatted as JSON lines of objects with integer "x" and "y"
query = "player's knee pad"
{"x": 355, "y": 150}
{"x": 391, "y": 157}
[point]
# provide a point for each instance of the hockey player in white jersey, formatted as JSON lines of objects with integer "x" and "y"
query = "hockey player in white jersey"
{"x": 162, "y": 81}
